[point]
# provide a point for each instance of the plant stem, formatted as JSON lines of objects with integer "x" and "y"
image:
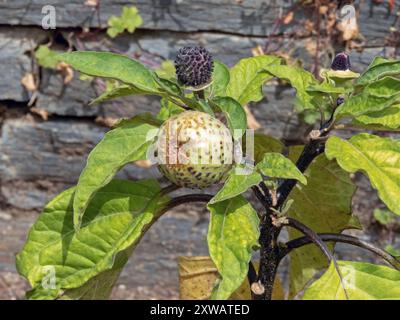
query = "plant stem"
{"x": 309, "y": 233}
{"x": 168, "y": 189}
{"x": 200, "y": 94}
{"x": 270, "y": 250}
{"x": 309, "y": 153}
{"x": 269, "y": 256}
{"x": 252, "y": 274}
{"x": 343, "y": 238}
{"x": 312, "y": 236}
{"x": 186, "y": 199}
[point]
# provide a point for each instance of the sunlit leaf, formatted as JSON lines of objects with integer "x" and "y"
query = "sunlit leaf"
{"x": 324, "y": 205}
{"x": 298, "y": 78}
{"x": 232, "y": 233}
{"x": 234, "y": 113}
{"x": 124, "y": 144}
{"x": 276, "y": 165}
{"x": 247, "y": 78}
{"x": 115, "y": 220}
{"x": 362, "y": 281}
{"x": 379, "y": 69}
{"x": 378, "y": 158}
{"x": 111, "y": 65}
{"x": 128, "y": 21}
{"x": 237, "y": 183}
{"x": 220, "y": 78}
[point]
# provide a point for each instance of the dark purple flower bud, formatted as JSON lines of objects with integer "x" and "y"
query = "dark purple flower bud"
{"x": 339, "y": 101}
{"x": 194, "y": 66}
{"x": 341, "y": 62}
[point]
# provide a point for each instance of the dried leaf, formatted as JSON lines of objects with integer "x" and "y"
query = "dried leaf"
{"x": 143, "y": 163}
{"x": 252, "y": 123}
{"x": 323, "y": 9}
{"x": 40, "y": 112}
{"x": 66, "y": 71}
{"x": 288, "y": 18}
{"x": 311, "y": 47}
{"x": 106, "y": 121}
{"x": 28, "y": 81}
{"x": 92, "y": 3}
{"x": 349, "y": 28}
{"x": 257, "y": 51}
{"x": 198, "y": 275}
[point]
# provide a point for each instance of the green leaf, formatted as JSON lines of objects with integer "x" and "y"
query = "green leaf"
{"x": 327, "y": 87}
{"x": 145, "y": 117}
{"x": 364, "y": 103}
{"x": 232, "y": 233}
{"x": 385, "y": 87}
{"x": 112, "y": 65}
{"x": 378, "y": 60}
{"x": 119, "y": 146}
{"x": 205, "y": 107}
{"x": 393, "y": 251}
{"x": 362, "y": 281}
{"x": 384, "y": 217}
{"x": 170, "y": 87}
{"x": 264, "y": 144}
{"x": 129, "y": 20}
{"x": 324, "y": 205}
{"x": 121, "y": 91}
{"x": 339, "y": 76}
{"x": 46, "y": 57}
{"x": 247, "y": 78}
{"x": 166, "y": 70}
{"x": 276, "y": 165}
{"x": 378, "y": 158}
{"x": 234, "y": 113}
{"x": 115, "y": 220}
{"x": 298, "y": 78}
{"x": 386, "y": 119}
{"x": 237, "y": 183}
{"x": 168, "y": 110}
{"x": 220, "y": 78}
{"x": 379, "y": 69}
{"x": 99, "y": 287}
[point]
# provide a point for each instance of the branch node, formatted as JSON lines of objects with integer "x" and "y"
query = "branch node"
{"x": 257, "y": 288}
{"x": 279, "y": 221}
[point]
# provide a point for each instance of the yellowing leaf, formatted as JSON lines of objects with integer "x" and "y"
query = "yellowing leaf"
{"x": 362, "y": 281}
{"x": 124, "y": 144}
{"x": 232, "y": 234}
{"x": 129, "y": 21}
{"x": 276, "y": 165}
{"x": 236, "y": 184}
{"x": 247, "y": 78}
{"x": 198, "y": 276}
{"x": 115, "y": 220}
{"x": 324, "y": 205}
{"x": 46, "y": 57}
{"x": 378, "y": 158}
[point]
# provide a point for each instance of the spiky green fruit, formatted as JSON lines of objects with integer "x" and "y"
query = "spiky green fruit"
{"x": 194, "y": 150}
